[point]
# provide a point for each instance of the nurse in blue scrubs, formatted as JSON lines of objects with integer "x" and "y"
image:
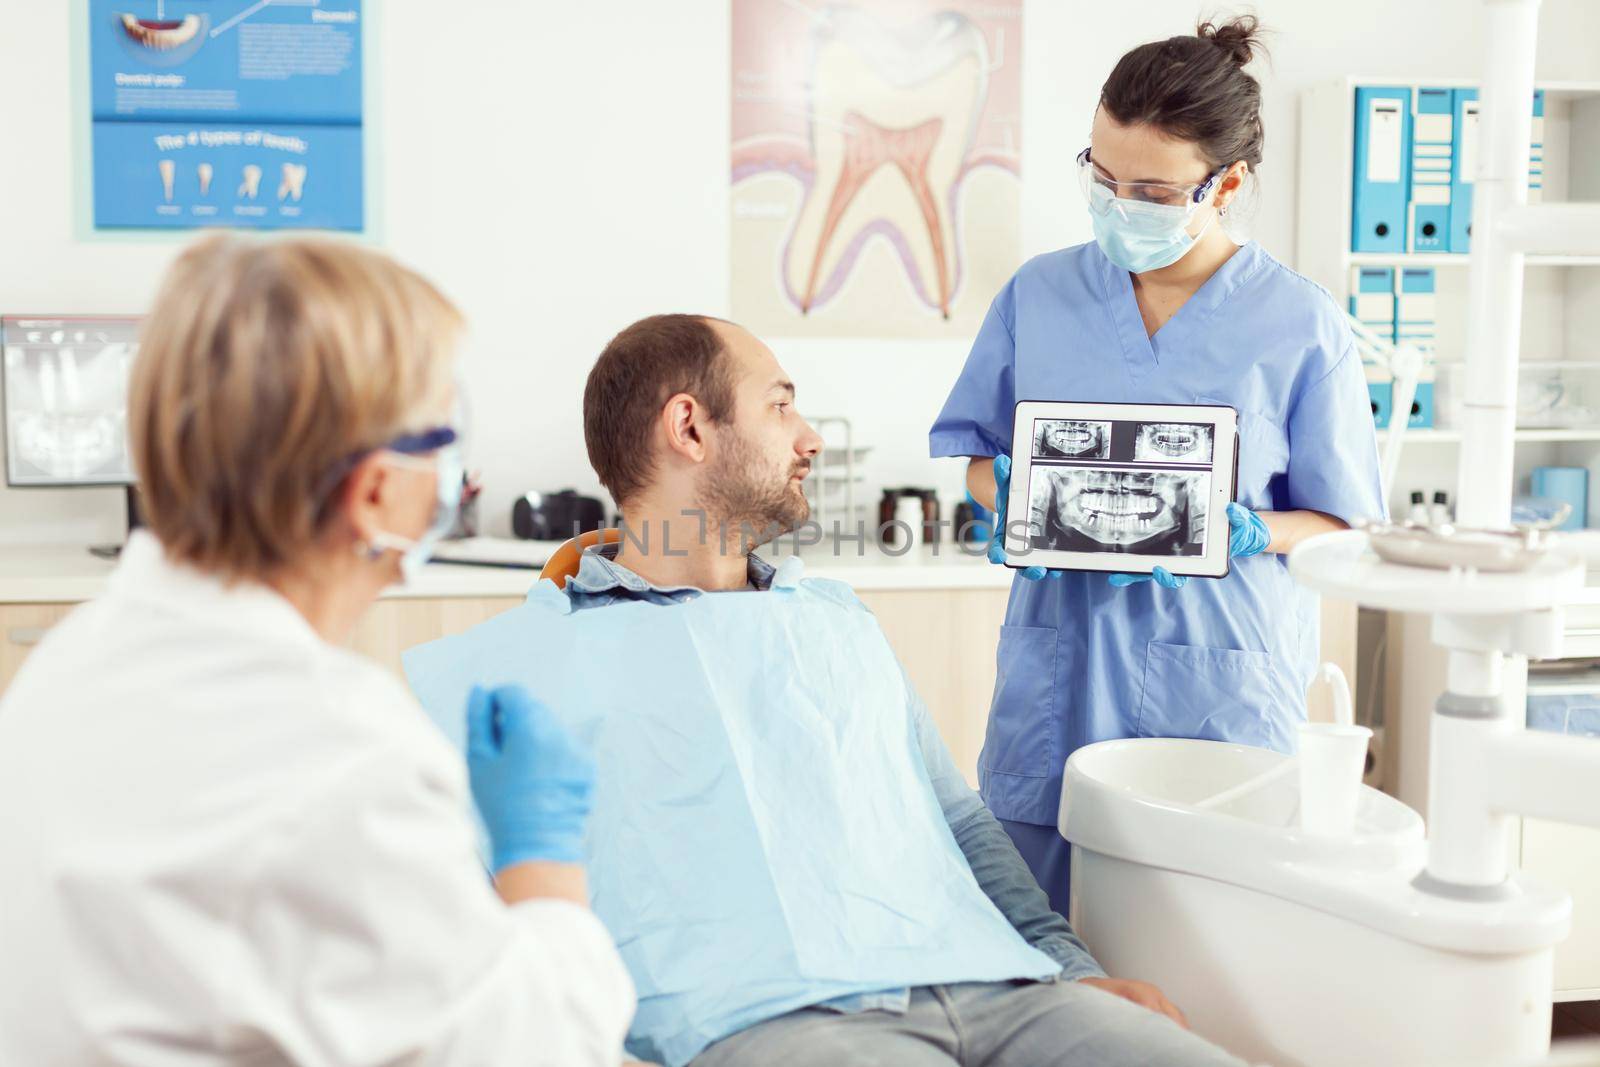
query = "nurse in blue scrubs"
{"x": 1163, "y": 307}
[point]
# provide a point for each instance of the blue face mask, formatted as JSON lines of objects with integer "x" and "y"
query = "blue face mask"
{"x": 1140, "y": 237}
{"x": 1142, "y": 226}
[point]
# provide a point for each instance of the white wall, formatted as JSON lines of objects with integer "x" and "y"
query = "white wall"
{"x": 561, "y": 169}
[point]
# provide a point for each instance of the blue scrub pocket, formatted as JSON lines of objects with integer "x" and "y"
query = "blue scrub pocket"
{"x": 1020, "y": 738}
{"x": 1263, "y": 456}
{"x": 1216, "y": 694}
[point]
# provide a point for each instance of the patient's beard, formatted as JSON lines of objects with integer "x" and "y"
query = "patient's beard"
{"x": 752, "y": 502}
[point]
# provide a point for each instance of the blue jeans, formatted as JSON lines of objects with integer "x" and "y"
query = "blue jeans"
{"x": 1001, "y": 1024}
{"x": 1048, "y": 856}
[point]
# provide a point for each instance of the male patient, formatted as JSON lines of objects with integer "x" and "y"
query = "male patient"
{"x": 794, "y": 870}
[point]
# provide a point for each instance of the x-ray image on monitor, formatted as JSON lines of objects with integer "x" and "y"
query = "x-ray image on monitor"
{"x": 1071, "y": 439}
{"x": 1172, "y": 442}
{"x": 66, "y": 399}
{"x": 1087, "y": 509}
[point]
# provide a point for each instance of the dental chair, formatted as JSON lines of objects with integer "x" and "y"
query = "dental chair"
{"x": 563, "y": 562}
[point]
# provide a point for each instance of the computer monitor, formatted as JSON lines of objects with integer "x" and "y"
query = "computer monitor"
{"x": 65, "y": 407}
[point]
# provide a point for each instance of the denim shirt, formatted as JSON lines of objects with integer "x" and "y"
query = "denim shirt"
{"x": 996, "y": 865}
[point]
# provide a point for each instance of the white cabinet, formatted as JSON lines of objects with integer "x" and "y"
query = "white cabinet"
{"x": 946, "y": 641}
{"x": 22, "y": 627}
{"x": 944, "y": 637}
{"x": 1569, "y": 856}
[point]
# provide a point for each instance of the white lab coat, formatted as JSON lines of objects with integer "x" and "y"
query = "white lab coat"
{"x": 223, "y": 840}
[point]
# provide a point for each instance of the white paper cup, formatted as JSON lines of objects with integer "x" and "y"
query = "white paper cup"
{"x": 1332, "y": 761}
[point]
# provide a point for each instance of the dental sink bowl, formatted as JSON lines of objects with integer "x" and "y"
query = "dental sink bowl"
{"x": 1285, "y": 947}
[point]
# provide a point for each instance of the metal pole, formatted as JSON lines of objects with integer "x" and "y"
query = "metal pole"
{"x": 1494, "y": 314}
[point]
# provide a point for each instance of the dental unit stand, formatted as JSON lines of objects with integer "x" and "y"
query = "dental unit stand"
{"x": 1485, "y": 768}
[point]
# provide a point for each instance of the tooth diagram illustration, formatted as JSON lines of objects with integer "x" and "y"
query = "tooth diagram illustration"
{"x": 205, "y": 173}
{"x": 252, "y": 182}
{"x": 893, "y": 116}
{"x": 169, "y": 171}
{"x": 293, "y": 182}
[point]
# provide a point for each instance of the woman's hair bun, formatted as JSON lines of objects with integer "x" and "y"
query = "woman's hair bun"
{"x": 1239, "y": 37}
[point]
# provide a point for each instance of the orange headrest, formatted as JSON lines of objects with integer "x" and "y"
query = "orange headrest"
{"x": 563, "y": 562}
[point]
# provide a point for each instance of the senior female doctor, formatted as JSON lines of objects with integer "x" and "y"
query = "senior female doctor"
{"x": 1164, "y": 307}
{"x": 223, "y": 838}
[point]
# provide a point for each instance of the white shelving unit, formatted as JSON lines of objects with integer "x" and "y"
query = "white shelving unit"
{"x": 1561, "y": 322}
{"x": 1450, "y": 259}
{"x": 1561, "y": 318}
{"x": 1453, "y": 437}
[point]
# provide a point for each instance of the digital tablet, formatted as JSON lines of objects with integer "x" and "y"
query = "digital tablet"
{"x": 1122, "y": 487}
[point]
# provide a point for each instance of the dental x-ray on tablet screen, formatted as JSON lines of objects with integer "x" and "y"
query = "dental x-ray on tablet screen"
{"x": 1121, "y": 487}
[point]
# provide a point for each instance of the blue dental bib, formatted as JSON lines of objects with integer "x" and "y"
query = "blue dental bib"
{"x": 765, "y": 836}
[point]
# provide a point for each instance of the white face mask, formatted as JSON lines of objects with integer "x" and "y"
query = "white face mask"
{"x": 415, "y": 552}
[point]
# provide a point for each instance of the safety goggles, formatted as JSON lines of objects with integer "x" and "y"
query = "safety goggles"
{"x": 1105, "y": 194}
{"x": 416, "y": 449}
{"x": 431, "y": 449}
{"x": 413, "y": 446}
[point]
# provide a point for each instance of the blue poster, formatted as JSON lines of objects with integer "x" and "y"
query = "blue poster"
{"x": 242, "y": 113}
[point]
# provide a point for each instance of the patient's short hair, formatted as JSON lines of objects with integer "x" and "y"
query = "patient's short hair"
{"x": 264, "y": 367}
{"x": 640, "y": 370}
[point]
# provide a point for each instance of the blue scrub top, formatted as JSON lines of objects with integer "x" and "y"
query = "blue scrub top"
{"x": 1225, "y": 659}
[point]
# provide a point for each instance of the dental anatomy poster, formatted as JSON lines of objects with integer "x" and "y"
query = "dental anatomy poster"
{"x": 237, "y": 113}
{"x": 875, "y": 165}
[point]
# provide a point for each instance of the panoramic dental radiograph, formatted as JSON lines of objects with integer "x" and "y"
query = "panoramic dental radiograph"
{"x": 1072, "y": 439}
{"x": 67, "y": 408}
{"x": 1179, "y": 442}
{"x": 1082, "y": 509}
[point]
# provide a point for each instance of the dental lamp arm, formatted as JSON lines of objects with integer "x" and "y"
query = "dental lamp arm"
{"x": 996, "y": 864}
{"x": 1405, "y": 364}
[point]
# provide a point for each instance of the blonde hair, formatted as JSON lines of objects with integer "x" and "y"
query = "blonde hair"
{"x": 264, "y": 369}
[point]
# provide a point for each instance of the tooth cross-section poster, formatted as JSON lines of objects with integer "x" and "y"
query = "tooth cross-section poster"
{"x": 875, "y": 165}
{"x": 239, "y": 113}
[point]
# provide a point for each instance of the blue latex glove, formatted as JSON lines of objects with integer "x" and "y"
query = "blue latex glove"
{"x": 1161, "y": 576}
{"x": 1247, "y": 536}
{"x": 997, "y": 544}
{"x": 1247, "y": 533}
{"x": 532, "y": 781}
